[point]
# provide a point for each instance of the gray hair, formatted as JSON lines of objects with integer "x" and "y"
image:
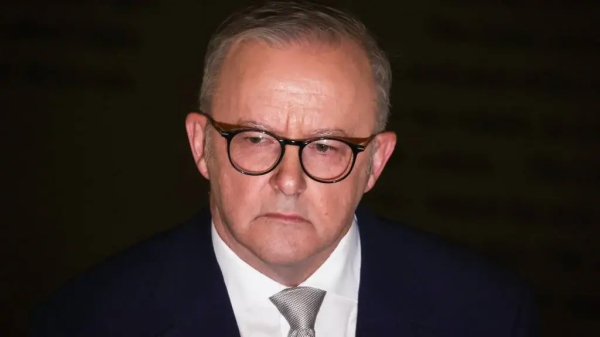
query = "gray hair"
{"x": 280, "y": 23}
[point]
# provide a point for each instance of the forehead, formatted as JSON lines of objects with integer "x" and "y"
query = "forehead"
{"x": 305, "y": 85}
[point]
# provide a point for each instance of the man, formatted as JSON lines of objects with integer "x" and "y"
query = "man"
{"x": 294, "y": 102}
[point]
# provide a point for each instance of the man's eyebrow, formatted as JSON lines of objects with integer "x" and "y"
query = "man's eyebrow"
{"x": 253, "y": 125}
{"x": 328, "y": 132}
{"x": 325, "y": 132}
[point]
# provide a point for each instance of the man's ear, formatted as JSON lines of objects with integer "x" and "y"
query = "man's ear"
{"x": 195, "y": 125}
{"x": 384, "y": 147}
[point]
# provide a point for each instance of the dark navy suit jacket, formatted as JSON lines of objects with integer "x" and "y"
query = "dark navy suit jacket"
{"x": 412, "y": 285}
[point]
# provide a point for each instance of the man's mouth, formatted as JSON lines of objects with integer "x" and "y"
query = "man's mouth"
{"x": 285, "y": 217}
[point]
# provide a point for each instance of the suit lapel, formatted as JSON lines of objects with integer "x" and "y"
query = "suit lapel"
{"x": 386, "y": 303}
{"x": 204, "y": 308}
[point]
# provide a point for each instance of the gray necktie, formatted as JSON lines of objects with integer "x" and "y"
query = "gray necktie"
{"x": 299, "y": 306}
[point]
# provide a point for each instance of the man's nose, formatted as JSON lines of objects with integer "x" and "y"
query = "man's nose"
{"x": 288, "y": 177}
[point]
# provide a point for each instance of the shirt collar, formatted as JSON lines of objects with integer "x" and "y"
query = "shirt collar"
{"x": 339, "y": 274}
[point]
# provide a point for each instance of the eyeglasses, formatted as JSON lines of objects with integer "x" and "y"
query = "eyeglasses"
{"x": 256, "y": 152}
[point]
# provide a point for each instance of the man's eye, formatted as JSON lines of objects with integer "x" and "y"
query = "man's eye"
{"x": 323, "y": 147}
{"x": 258, "y": 140}
{"x": 255, "y": 140}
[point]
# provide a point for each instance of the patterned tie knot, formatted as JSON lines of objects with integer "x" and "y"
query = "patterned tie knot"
{"x": 302, "y": 333}
{"x": 299, "y": 306}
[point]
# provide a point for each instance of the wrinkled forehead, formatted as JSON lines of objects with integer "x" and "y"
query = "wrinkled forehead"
{"x": 301, "y": 86}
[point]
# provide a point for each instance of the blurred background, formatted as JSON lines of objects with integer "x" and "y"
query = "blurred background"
{"x": 494, "y": 102}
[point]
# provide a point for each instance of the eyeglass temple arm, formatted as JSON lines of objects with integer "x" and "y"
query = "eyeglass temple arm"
{"x": 220, "y": 127}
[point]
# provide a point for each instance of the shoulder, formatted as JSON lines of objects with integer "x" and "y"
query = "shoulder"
{"x": 446, "y": 281}
{"x": 428, "y": 254}
{"x": 141, "y": 284}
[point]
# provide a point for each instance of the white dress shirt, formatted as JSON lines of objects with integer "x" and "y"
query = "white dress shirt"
{"x": 249, "y": 291}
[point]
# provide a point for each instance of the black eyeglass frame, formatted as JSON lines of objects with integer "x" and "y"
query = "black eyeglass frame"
{"x": 228, "y": 131}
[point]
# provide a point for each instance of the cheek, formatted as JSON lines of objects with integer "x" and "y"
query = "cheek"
{"x": 333, "y": 203}
{"x": 234, "y": 192}
{"x": 223, "y": 176}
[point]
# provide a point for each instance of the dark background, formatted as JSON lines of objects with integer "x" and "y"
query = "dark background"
{"x": 494, "y": 102}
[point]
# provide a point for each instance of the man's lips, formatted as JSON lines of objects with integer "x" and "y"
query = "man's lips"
{"x": 287, "y": 217}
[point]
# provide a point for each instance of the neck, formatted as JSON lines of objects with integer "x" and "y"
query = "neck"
{"x": 289, "y": 275}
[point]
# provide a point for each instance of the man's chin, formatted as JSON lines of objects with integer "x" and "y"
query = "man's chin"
{"x": 281, "y": 258}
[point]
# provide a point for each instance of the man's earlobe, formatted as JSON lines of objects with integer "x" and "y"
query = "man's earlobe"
{"x": 195, "y": 125}
{"x": 384, "y": 147}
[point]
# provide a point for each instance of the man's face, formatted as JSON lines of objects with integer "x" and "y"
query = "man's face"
{"x": 284, "y": 218}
